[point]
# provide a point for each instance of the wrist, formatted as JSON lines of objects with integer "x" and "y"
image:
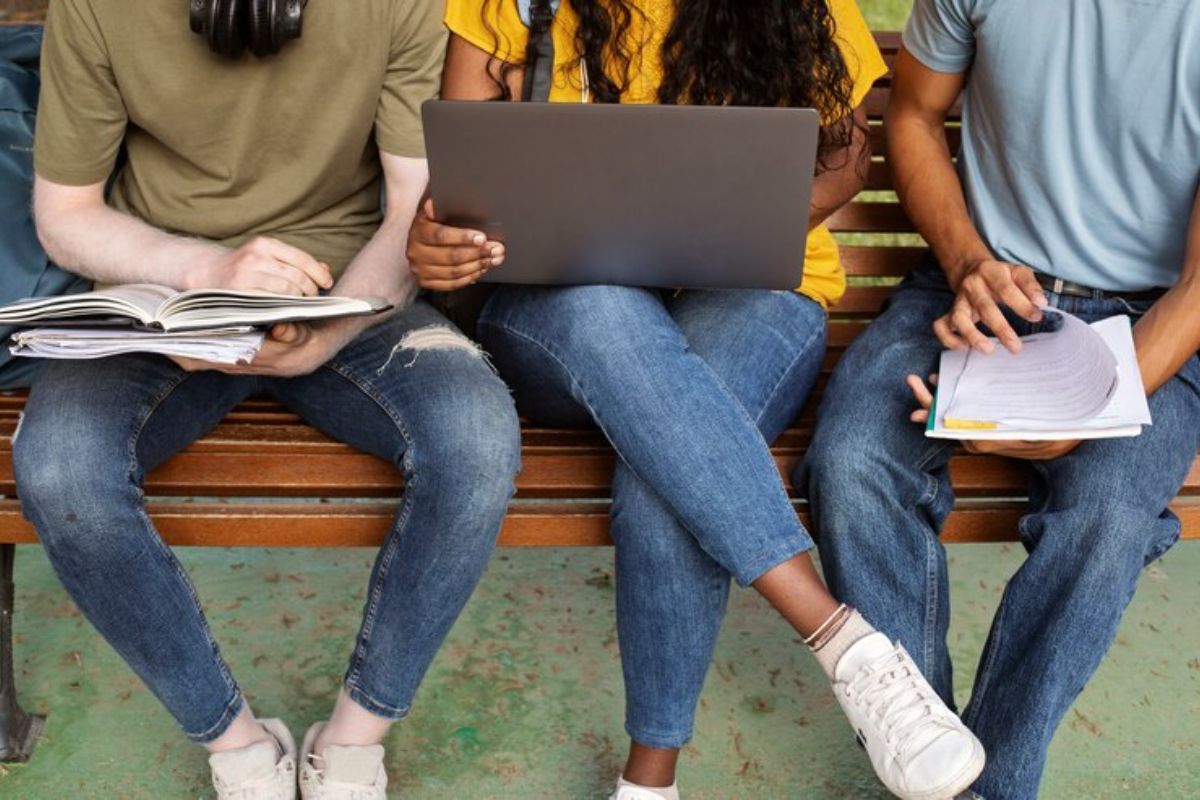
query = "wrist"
{"x": 958, "y": 267}
{"x": 333, "y": 335}
{"x": 199, "y": 271}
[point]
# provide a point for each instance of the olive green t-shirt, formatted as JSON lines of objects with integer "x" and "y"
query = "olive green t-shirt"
{"x": 285, "y": 146}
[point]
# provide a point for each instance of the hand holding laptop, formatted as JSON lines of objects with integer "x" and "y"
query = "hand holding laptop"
{"x": 445, "y": 258}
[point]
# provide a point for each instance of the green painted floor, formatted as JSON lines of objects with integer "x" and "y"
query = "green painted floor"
{"x": 525, "y": 701}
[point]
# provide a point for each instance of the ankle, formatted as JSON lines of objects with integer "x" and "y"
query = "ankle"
{"x": 830, "y": 645}
{"x": 650, "y": 767}
{"x": 648, "y": 780}
{"x": 243, "y": 732}
{"x": 351, "y": 725}
{"x": 330, "y": 735}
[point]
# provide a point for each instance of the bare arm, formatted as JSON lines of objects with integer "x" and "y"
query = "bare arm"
{"x": 932, "y": 196}
{"x": 922, "y": 165}
{"x": 469, "y": 70}
{"x": 846, "y": 173}
{"x": 1169, "y": 334}
{"x": 379, "y": 269}
{"x": 81, "y": 233}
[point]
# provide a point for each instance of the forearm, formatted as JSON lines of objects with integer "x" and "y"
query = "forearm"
{"x": 1169, "y": 334}
{"x": 844, "y": 176}
{"x": 381, "y": 268}
{"x": 932, "y": 194}
{"x": 106, "y": 245}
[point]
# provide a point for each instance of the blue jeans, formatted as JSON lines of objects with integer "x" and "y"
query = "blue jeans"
{"x": 93, "y": 429}
{"x": 689, "y": 388}
{"x": 880, "y": 493}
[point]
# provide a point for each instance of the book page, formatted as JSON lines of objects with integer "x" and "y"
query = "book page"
{"x": 1059, "y": 378}
{"x": 136, "y": 303}
{"x": 207, "y": 308}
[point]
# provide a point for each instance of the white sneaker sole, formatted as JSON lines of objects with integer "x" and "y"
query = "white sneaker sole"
{"x": 962, "y": 781}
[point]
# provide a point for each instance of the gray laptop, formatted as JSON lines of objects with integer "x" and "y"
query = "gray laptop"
{"x": 671, "y": 196}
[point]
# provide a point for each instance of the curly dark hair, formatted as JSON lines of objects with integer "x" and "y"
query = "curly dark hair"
{"x": 717, "y": 52}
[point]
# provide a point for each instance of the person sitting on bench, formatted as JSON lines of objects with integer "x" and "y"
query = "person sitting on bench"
{"x": 691, "y": 386}
{"x": 257, "y": 173}
{"x": 1075, "y": 186}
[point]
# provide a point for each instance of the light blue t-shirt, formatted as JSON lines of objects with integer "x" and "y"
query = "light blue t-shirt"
{"x": 1081, "y": 129}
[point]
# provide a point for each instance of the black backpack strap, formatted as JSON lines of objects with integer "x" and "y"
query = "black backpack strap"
{"x": 539, "y": 54}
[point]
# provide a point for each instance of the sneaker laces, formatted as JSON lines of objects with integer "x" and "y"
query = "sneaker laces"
{"x": 897, "y": 695}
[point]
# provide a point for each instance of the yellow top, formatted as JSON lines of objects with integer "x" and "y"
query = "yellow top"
{"x": 504, "y": 34}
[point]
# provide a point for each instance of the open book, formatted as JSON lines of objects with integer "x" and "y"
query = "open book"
{"x": 208, "y": 324}
{"x": 153, "y": 307}
{"x": 1077, "y": 381}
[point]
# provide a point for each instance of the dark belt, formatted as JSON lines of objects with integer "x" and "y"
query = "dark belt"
{"x": 1059, "y": 286}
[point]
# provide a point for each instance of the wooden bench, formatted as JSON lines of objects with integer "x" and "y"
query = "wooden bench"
{"x": 263, "y": 478}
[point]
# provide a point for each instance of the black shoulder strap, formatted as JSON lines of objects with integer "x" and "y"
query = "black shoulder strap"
{"x": 539, "y": 55}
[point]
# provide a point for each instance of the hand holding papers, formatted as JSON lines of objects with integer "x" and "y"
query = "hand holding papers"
{"x": 1078, "y": 381}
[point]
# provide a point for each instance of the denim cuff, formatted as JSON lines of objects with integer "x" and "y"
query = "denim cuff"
{"x": 658, "y": 741}
{"x": 789, "y": 548}
{"x": 374, "y": 706}
{"x": 226, "y": 718}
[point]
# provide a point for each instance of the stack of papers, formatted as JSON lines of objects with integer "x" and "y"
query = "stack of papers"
{"x": 225, "y": 327}
{"x": 236, "y": 345}
{"x": 1078, "y": 381}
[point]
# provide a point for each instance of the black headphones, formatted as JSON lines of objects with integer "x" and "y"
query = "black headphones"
{"x": 231, "y": 26}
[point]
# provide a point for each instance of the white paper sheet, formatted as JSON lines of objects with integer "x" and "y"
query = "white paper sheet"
{"x": 237, "y": 345}
{"x": 1050, "y": 396}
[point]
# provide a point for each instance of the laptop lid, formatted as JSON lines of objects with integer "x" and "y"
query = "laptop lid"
{"x": 645, "y": 195}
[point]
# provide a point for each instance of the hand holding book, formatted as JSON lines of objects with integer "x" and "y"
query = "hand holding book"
{"x": 220, "y": 326}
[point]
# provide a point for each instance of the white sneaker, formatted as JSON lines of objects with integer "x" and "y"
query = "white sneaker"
{"x": 262, "y": 771}
{"x": 630, "y": 791}
{"x": 919, "y": 748}
{"x": 341, "y": 773}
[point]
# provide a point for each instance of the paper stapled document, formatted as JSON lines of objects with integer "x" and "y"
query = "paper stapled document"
{"x": 1077, "y": 381}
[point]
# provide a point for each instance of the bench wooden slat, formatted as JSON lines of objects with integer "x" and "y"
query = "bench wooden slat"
{"x": 557, "y": 464}
{"x": 880, "y": 261}
{"x": 869, "y": 217}
{"x": 304, "y": 526}
{"x": 863, "y": 299}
